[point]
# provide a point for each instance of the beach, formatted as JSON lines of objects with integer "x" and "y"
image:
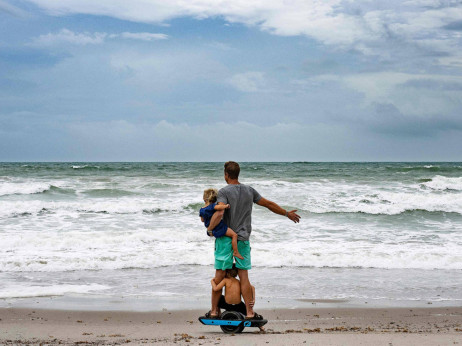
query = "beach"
{"x": 110, "y": 252}
{"x": 326, "y": 132}
{"x": 313, "y": 326}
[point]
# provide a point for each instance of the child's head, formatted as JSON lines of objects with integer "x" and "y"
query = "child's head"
{"x": 210, "y": 195}
{"x": 231, "y": 272}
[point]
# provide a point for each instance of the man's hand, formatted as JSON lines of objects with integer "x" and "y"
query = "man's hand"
{"x": 293, "y": 216}
{"x": 228, "y": 206}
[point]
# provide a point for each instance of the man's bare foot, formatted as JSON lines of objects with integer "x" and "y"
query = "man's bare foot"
{"x": 238, "y": 255}
{"x": 262, "y": 329}
{"x": 211, "y": 315}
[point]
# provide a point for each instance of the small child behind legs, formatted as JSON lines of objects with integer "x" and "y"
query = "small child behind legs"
{"x": 231, "y": 301}
{"x": 206, "y": 212}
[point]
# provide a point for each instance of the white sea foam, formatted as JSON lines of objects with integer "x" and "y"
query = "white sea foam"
{"x": 445, "y": 183}
{"x": 356, "y": 255}
{"x": 159, "y": 226}
{"x": 71, "y": 239}
{"x": 275, "y": 244}
{"x": 312, "y": 196}
{"x": 21, "y": 291}
{"x": 25, "y": 188}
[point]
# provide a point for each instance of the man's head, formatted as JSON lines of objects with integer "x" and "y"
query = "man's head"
{"x": 232, "y": 170}
{"x": 231, "y": 273}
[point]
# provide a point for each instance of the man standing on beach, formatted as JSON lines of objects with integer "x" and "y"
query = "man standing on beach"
{"x": 241, "y": 198}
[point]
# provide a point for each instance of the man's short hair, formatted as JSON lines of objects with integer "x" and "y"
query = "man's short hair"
{"x": 232, "y": 169}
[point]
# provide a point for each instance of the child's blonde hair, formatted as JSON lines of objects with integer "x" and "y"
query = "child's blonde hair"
{"x": 210, "y": 195}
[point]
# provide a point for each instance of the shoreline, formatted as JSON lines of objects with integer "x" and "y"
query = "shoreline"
{"x": 158, "y": 288}
{"x": 144, "y": 304}
{"x": 317, "y": 326}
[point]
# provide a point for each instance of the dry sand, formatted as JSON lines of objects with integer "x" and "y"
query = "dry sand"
{"x": 324, "y": 326}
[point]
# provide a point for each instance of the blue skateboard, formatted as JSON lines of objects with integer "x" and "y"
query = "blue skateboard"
{"x": 232, "y": 322}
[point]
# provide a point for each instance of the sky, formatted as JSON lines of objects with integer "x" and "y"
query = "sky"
{"x": 215, "y": 80}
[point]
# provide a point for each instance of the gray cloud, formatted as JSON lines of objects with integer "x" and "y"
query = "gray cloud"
{"x": 165, "y": 141}
{"x": 431, "y": 84}
{"x": 66, "y": 36}
{"x": 387, "y": 119}
{"x": 12, "y": 10}
{"x": 456, "y": 25}
{"x": 364, "y": 80}
{"x": 361, "y": 25}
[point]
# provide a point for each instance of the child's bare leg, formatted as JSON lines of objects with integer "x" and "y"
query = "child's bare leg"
{"x": 230, "y": 233}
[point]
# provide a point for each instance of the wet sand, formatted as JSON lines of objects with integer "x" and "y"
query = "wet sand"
{"x": 323, "y": 326}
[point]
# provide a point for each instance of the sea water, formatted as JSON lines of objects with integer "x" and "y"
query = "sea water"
{"x": 128, "y": 235}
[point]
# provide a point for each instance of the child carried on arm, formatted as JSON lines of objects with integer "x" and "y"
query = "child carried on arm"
{"x": 206, "y": 212}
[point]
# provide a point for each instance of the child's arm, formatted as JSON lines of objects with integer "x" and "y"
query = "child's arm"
{"x": 222, "y": 206}
{"x": 202, "y": 219}
{"x": 218, "y": 287}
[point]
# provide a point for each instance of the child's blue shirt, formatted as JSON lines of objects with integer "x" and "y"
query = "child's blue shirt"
{"x": 206, "y": 213}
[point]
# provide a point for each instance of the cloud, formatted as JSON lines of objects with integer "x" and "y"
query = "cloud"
{"x": 12, "y": 10}
{"x": 389, "y": 120}
{"x": 363, "y": 25}
{"x": 67, "y": 36}
{"x": 143, "y": 36}
{"x": 86, "y": 38}
{"x": 456, "y": 25}
{"x": 405, "y": 90}
{"x": 122, "y": 140}
{"x": 248, "y": 81}
{"x": 168, "y": 141}
{"x": 432, "y": 84}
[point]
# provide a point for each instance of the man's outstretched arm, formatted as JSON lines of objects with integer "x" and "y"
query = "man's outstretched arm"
{"x": 278, "y": 210}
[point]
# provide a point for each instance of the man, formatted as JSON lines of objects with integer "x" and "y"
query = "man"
{"x": 241, "y": 198}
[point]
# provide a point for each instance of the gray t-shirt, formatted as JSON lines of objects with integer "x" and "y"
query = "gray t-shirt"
{"x": 239, "y": 217}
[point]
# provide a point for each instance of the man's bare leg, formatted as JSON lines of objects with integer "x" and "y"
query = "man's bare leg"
{"x": 262, "y": 329}
{"x": 246, "y": 291}
{"x": 219, "y": 276}
{"x": 215, "y": 220}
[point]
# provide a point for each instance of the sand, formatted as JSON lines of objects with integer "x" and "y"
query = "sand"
{"x": 322, "y": 326}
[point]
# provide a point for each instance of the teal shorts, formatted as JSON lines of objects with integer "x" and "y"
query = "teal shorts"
{"x": 224, "y": 254}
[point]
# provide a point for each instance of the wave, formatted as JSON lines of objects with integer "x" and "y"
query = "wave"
{"x": 103, "y": 167}
{"x": 108, "y": 193}
{"x": 444, "y": 183}
{"x": 110, "y": 202}
{"x": 425, "y": 168}
{"x": 169, "y": 240}
{"x": 369, "y": 207}
{"x": 85, "y": 167}
{"x": 194, "y": 206}
{"x": 11, "y": 188}
{"x": 410, "y": 212}
{"x": 33, "y": 188}
{"x": 284, "y": 255}
{"x": 48, "y": 291}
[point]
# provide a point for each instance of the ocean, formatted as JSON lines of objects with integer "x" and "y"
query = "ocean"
{"x": 128, "y": 235}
